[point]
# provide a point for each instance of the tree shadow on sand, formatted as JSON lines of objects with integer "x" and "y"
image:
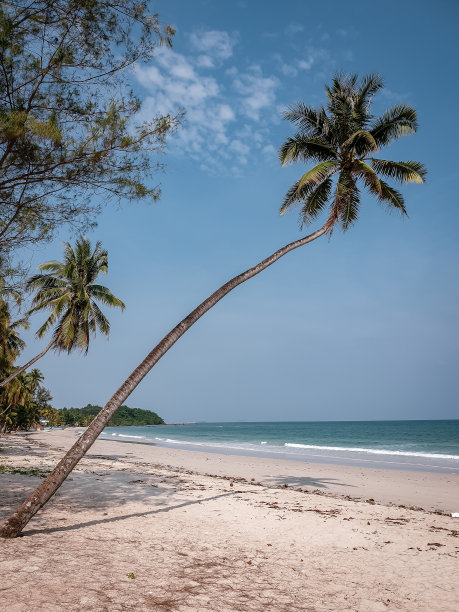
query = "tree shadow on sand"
{"x": 304, "y": 481}
{"x": 93, "y": 490}
{"x": 122, "y": 517}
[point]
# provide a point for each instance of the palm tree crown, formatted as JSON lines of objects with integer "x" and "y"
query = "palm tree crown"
{"x": 342, "y": 137}
{"x": 69, "y": 291}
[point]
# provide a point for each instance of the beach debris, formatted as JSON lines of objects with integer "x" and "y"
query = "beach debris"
{"x": 131, "y": 575}
{"x": 371, "y": 501}
{"x": 397, "y": 521}
{"x": 434, "y": 544}
{"x": 455, "y": 514}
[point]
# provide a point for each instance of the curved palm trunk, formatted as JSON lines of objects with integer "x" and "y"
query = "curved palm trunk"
{"x": 28, "y": 364}
{"x": 17, "y": 521}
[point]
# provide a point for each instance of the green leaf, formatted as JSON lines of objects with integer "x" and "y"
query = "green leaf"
{"x": 392, "y": 197}
{"x": 319, "y": 173}
{"x": 399, "y": 121}
{"x": 305, "y": 148}
{"x": 316, "y": 201}
{"x": 294, "y": 195}
{"x": 369, "y": 176}
{"x": 362, "y": 141}
{"x": 404, "y": 172}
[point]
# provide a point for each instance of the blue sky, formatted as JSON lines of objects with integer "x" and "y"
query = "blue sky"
{"x": 362, "y": 326}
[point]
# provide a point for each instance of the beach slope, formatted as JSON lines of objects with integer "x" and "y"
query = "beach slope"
{"x": 138, "y": 527}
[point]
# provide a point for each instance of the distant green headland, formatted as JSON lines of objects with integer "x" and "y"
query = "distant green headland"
{"x": 123, "y": 416}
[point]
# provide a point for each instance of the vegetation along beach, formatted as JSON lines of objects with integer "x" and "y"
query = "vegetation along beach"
{"x": 205, "y": 405}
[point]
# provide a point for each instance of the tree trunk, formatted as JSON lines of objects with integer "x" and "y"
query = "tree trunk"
{"x": 19, "y": 519}
{"x": 28, "y": 364}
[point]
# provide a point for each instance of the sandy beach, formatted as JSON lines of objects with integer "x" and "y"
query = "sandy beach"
{"x": 138, "y": 527}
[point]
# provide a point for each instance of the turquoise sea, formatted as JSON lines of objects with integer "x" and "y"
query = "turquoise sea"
{"x": 414, "y": 445}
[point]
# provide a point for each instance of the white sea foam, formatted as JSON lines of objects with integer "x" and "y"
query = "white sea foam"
{"x": 291, "y": 449}
{"x": 124, "y": 436}
{"x": 372, "y": 451}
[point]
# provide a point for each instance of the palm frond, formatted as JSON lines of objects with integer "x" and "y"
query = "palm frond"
{"x": 361, "y": 141}
{"x": 349, "y": 196}
{"x": 101, "y": 320}
{"x": 401, "y": 120}
{"x": 311, "y": 121}
{"x": 368, "y": 175}
{"x": 404, "y": 172}
{"x": 345, "y": 206}
{"x": 369, "y": 86}
{"x": 304, "y": 148}
{"x": 392, "y": 197}
{"x": 318, "y": 173}
{"x": 41, "y": 331}
{"x": 295, "y": 195}
{"x": 51, "y": 266}
{"x": 104, "y": 295}
{"x": 316, "y": 201}
{"x": 44, "y": 282}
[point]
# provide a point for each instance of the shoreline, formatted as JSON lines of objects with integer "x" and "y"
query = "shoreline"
{"x": 431, "y": 491}
{"x": 407, "y": 462}
{"x": 390, "y": 445}
{"x": 138, "y": 527}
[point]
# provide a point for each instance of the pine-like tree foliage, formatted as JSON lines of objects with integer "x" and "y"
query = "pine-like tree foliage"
{"x": 343, "y": 138}
{"x": 68, "y": 127}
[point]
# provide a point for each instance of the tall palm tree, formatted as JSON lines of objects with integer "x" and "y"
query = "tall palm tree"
{"x": 11, "y": 344}
{"x": 343, "y": 137}
{"x": 340, "y": 137}
{"x": 69, "y": 291}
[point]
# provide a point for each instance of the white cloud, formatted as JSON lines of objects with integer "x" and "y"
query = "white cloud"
{"x": 289, "y": 70}
{"x": 214, "y": 43}
{"x": 222, "y": 126}
{"x": 257, "y": 91}
{"x": 306, "y": 64}
{"x": 269, "y": 150}
{"x": 293, "y": 28}
{"x": 239, "y": 147}
{"x": 178, "y": 84}
{"x": 204, "y": 61}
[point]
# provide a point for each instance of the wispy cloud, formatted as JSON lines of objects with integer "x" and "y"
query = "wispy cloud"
{"x": 213, "y": 45}
{"x": 293, "y": 28}
{"x": 221, "y": 126}
{"x": 256, "y": 91}
{"x": 231, "y": 104}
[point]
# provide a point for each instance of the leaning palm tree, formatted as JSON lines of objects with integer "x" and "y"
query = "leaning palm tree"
{"x": 69, "y": 291}
{"x": 342, "y": 137}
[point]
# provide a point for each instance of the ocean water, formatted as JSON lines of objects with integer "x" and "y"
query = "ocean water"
{"x": 414, "y": 445}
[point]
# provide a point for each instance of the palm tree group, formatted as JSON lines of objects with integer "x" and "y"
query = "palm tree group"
{"x": 342, "y": 137}
{"x": 68, "y": 289}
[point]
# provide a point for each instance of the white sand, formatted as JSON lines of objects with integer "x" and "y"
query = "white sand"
{"x": 199, "y": 534}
